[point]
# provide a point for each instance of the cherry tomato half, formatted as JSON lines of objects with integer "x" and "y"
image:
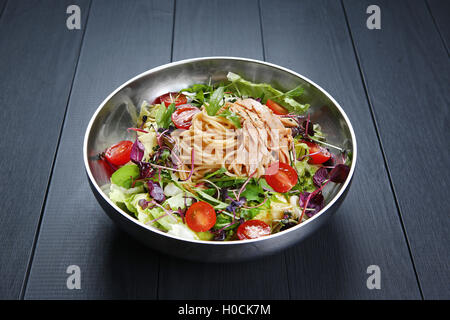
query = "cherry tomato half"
{"x": 200, "y": 216}
{"x": 171, "y": 97}
{"x": 317, "y": 153}
{"x": 182, "y": 117}
{"x": 276, "y": 108}
{"x": 253, "y": 229}
{"x": 119, "y": 154}
{"x": 281, "y": 177}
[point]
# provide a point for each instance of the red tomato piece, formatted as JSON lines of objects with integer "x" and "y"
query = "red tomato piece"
{"x": 182, "y": 117}
{"x": 281, "y": 177}
{"x": 171, "y": 97}
{"x": 119, "y": 154}
{"x": 317, "y": 153}
{"x": 253, "y": 229}
{"x": 200, "y": 216}
{"x": 276, "y": 108}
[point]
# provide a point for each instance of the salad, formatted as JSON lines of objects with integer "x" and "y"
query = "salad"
{"x": 227, "y": 161}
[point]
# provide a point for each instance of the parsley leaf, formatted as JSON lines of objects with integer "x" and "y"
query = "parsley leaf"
{"x": 253, "y": 192}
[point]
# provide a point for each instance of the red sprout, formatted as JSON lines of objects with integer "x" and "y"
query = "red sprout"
{"x": 137, "y": 130}
{"x": 309, "y": 198}
{"x": 245, "y": 183}
{"x": 307, "y": 125}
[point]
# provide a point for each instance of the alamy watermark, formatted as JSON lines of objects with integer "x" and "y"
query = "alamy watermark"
{"x": 374, "y": 20}
{"x": 374, "y": 280}
{"x": 73, "y": 21}
{"x": 74, "y": 280}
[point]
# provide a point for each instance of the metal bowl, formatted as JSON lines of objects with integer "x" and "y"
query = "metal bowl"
{"x": 119, "y": 111}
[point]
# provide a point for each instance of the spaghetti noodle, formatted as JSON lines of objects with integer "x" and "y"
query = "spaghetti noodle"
{"x": 262, "y": 139}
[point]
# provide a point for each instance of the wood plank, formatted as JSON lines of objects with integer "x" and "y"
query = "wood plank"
{"x": 407, "y": 73}
{"x": 38, "y": 57}
{"x": 440, "y": 9}
{"x": 122, "y": 39}
{"x": 2, "y": 7}
{"x": 206, "y": 28}
{"x": 311, "y": 37}
{"x": 215, "y": 28}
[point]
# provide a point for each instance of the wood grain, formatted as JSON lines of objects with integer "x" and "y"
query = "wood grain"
{"x": 311, "y": 37}
{"x": 122, "y": 39}
{"x": 407, "y": 72}
{"x": 37, "y": 63}
{"x": 440, "y": 9}
{"x": 208, "y": 28}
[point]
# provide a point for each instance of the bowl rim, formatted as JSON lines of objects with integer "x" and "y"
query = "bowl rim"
{"x": 209, "y": 242}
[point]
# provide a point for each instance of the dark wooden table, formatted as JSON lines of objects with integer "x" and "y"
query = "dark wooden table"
{"x": 392, "y": 82}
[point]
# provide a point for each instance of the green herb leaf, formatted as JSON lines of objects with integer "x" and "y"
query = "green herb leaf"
{"x": 208, "y": 198}
{"x": 253, "y": 192}
{"x": 248, "y": 214}
{"x": 200, "y": 96}
{"x": 163, "y": 115}
{"x": 232, "y": 116}
{"x": 223, "y": 220}
{"x": 264, "y": 185}
{"x": 219, "y": 171}
{"x": 197, "y": 88}
{"x": 165, "y": 155}
{"x": 210, "y": 191}
{"x": 214, "y": 101}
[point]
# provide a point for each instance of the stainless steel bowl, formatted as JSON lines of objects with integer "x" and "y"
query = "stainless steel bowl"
{"x": 119, "y": 110}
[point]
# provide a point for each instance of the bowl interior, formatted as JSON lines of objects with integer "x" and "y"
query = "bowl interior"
{"x": 119, "y": 111}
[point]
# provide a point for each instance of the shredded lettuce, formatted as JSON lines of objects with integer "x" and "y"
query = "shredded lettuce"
{"x": 178, "y": 201}
{"x": 149, "y": 142}
{"x": 305, "y": 176}
{"x": 165, "y": 222}
{"x": 182, "y": 231}
{"x": 132, "y": 203}
{"x": 171, "y": 190}
{"x": 120, "y": 194}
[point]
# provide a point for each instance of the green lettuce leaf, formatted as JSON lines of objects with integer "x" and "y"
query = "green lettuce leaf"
{"x": 125, "y": 175}
{"x": 265, "y": 91}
